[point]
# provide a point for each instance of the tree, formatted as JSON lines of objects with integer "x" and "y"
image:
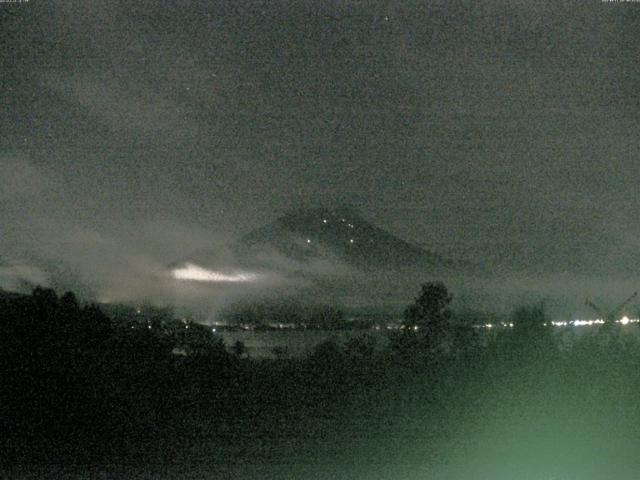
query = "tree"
{"x": 531, "y": 336}
{"x": 426, "y": 326}
{"x": 430, "y": 312}
{"x": 239, "y": 348}
{"x": 69, "y": 304}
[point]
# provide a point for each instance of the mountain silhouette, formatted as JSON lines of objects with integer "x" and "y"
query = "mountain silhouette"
{"x": 334, "y": 234}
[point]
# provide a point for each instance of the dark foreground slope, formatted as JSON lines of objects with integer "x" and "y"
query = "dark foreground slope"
{"x": 119, "y": 405}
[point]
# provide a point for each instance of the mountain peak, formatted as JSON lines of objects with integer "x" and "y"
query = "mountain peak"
{"x": 341, "y": 233}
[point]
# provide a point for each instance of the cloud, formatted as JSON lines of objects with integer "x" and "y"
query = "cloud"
{"x": 486, "y": 130}
{"x": 16, "y": 277}
{"x": 126, "y": 108}
{"x": 21, "y": 178}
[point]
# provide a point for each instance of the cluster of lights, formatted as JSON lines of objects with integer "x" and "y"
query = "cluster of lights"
{"x": 350, "y": 225}
{"x": 282, "y": 326}
{"x": 415, "y": 328}
{"x": 587, "y": 323}
{"x": 391, "y": 327}
{"x": 493, "y": 325}
{"x": 572, "y": 323}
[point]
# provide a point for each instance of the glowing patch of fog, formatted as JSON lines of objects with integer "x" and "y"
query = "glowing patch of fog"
{"x": 198, "y": 274}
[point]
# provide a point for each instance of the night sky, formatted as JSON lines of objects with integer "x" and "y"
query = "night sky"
{"x": 136, "y": 132}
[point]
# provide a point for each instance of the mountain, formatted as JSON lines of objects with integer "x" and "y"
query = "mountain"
{"x": 334, "y": 234}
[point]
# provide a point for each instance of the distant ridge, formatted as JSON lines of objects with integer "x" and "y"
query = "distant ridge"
{"x": 342, "y": 234}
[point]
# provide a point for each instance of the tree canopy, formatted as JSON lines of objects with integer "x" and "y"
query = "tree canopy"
{"x": 430, "y": 315}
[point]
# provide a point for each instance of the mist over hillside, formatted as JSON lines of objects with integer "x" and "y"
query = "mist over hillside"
{"x": 327, "y": 256}
{"x": 304, "y": 255}
{"x": 337, "y": 257}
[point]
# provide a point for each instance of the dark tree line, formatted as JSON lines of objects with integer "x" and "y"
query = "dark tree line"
{"x": 75, "y": 383}
{"x": 80, "y": 386}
